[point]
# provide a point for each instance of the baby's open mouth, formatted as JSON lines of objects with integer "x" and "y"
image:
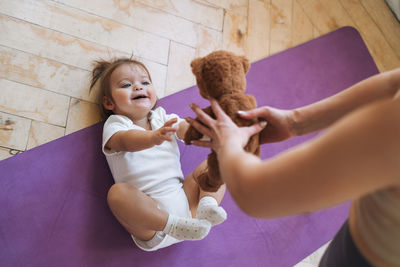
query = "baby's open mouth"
{"x": 140, "y": 97}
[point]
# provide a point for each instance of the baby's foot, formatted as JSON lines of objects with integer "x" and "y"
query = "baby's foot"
{"x": 209, "y": 210}
{"x": 187, "y": 228}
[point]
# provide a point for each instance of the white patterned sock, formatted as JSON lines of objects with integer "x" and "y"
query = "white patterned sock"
{"x": 186, "y": 228}
{"x": 209, "y": 210}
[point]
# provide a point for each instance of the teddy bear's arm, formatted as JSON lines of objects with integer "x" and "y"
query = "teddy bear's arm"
{"x": 252, "y": 101}
{"x": 191, "y": 133}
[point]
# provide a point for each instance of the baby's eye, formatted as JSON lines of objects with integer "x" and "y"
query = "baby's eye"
{"x": 127, "y": 85}
{"x": 146, "y": 83}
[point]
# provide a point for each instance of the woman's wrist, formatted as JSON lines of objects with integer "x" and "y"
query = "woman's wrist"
{"x": 227, "y": 156}
{"x": 229, "y": 148}
{"x": 296, "y": 127}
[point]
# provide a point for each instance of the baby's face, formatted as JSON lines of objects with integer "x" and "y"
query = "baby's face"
{"x": 132, "y": 91}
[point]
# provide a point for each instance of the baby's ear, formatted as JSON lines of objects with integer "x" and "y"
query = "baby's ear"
{"x": 108, "y": 103}
{"x": 197, "y": 66}
{"x": 246, "y": 64}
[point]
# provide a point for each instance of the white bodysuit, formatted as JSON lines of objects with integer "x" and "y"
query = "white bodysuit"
{"x": 155, "y": 171}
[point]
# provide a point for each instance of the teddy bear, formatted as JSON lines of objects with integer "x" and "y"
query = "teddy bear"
{"x": 222, "y": 75}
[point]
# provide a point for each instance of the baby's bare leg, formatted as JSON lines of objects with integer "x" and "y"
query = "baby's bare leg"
{"x": 140, "y": 216}
{"x": 137, "y": 212}
{"x": 218, "y": 195}
{"x": 195, "y": 194}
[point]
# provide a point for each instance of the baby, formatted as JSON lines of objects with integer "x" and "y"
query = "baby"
{"x": 150, "y": 198}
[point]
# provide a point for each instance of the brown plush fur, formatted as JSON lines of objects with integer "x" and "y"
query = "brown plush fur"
{"x": 222, "y": 75}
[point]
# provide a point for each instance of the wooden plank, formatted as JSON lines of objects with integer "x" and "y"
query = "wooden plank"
{"x": 46, "y": 74}
{"x": 325, "y": 15}
{"x": 142, "y": 17}
{"x": 281, "y": 25}
{"x": 239, "y": 6}
{"x": 200, "y": 12}
{"x": 208, "y": 40}
{"x": 383, "y": 54}
{"x": 386, "y": 22}
{"x": 179, "y": 74}
{"x": 336, "y": 11}
{"x": 88, "y": 27}
{"x": 235, "y": 33}
{"x": 41, "y": 133}
{"x": 78, "y": 108}
{"x": 53, "y": 45}
{"x": 259, "y": 25}
{"x": 52, "y": 48}
{"x": 33, "y": 103}
{"x": 318, "y": 16}
{"x": 302, "y": 28}
{"x": 6, "y": 153}
{"x": 316, "y": 32}
{"x": 13, "y": 131}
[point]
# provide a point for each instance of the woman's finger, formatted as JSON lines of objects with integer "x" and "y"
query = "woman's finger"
{"x": 218, "y": 111}
{"x": 199, "y": 127}
{"x": 207, "y": 144}
{"x": 202, "y": 116}
{"x": 256, "y": 128}
{"x": 254, "y": 113}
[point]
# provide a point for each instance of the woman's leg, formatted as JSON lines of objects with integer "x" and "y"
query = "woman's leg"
{"x": 343, "y": 252}
{"x": 137, "y": 212}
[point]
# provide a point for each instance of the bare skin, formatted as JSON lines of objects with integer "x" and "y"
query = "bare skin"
{"x": 357, "y": 154}
{"x": 138, "y": 213}
{"x": 135, "y": 210}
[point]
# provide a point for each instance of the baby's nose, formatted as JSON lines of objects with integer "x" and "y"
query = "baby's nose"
{"x": 137, "y": 87}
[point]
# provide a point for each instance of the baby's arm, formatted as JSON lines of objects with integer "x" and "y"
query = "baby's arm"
{"x": 136, "y": 140}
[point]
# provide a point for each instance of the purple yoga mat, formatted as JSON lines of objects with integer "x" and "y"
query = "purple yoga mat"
{"x": 53, "y": 198}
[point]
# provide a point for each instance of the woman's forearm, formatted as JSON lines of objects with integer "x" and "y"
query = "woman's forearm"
{"x": 324, "y": 113}
{"x": 235, "y": 166}
{"x": 358, "y": 155}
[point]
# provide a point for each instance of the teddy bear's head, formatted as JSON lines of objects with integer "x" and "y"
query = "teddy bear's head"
{"x": 220, "y": 73}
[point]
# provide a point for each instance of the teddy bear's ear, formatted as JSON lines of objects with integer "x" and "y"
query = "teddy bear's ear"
{"x": 246, "y": 64}
{"x": 196, "y": 65}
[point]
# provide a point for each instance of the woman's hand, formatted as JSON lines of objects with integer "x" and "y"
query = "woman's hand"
{"x": 165, "y": 132}
{"x": 281, "y": 123}
{"x": 222, "y": 130}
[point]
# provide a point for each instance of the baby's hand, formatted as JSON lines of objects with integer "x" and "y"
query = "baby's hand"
{"x": 165, "y": 133}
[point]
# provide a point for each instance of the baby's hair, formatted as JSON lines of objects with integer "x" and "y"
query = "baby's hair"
{"x": 102, "y": 72}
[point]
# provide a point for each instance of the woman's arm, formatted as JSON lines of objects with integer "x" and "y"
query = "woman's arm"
{"x": 359, "y": 154}
{"x": 322, "y": 114}
{"x": 136, "y": 140}
{"x": 284, "y": 124}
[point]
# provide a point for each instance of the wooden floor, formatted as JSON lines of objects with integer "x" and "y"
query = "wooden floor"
{"x": 47, "y": 48}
